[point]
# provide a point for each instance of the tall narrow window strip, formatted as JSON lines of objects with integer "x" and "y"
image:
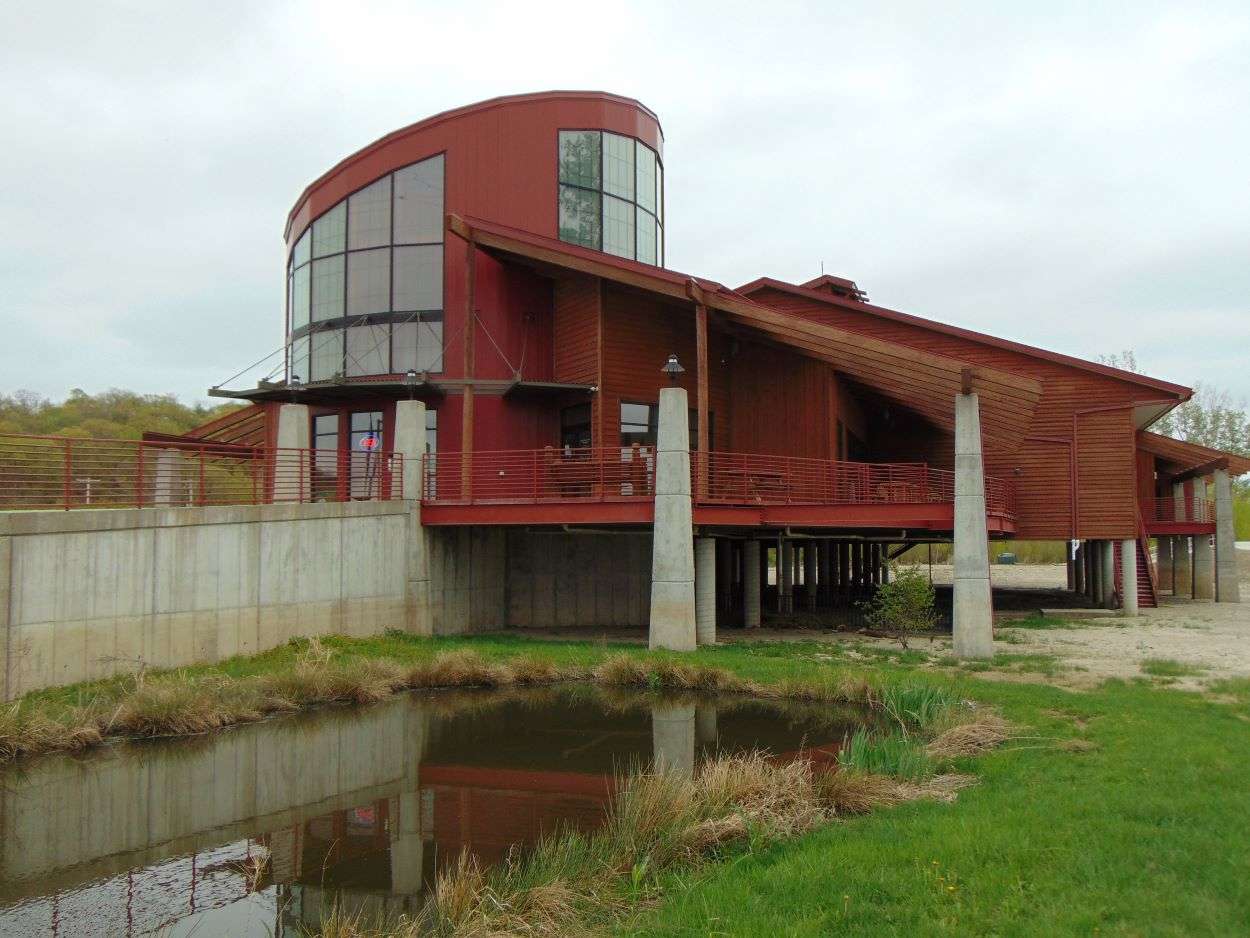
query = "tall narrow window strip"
{"x": 645, "y": 177}
{"x": 419, "y": 202}
{"x": 298, "y": 362}
{"x": 303, "y": 247}
{"x": 327, "y": 354}
{"x": 369, "y": 216}
{"x": 301, "y": 297}
{"x": 646, "y": 237}
{"x": 368, "y": 350}
{"x": 618, "y": 166}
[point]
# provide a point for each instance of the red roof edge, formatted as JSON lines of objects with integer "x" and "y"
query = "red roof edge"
{"x": 1181, "y": 392}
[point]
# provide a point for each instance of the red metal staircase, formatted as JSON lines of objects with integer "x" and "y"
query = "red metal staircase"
{"x": 1147, "y": 594}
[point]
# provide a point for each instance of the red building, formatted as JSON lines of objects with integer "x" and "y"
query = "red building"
{"x": 503, "y": 263}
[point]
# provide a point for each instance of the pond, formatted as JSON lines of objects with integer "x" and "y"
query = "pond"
{"x": 260, "y": 830}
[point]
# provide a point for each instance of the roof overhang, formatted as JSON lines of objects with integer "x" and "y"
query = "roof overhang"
{"x": 1188, "y": 457}
{"x": 921, "y": 381}
{"x": 315, "y": 392}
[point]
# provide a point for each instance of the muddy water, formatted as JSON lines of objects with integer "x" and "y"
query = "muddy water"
{"x": 261, "y": 829}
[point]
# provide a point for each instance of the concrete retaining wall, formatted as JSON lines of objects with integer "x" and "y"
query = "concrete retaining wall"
{"x": 95, "y": 593}
{"x": 556, "y": 579}
{"x": 467, "y": 579}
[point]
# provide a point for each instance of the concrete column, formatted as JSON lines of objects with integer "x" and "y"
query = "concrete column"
{"x": 785, "y": 576}
{"x": 824, "y": 572}
{"x": 751, "y": 584}
{"x": 167, "y": 484}
{"x": 293, "y": 470}
{"x": 1204, "y": 568}
{"x": 856, "y": 549}
{"x": 1165, "y": 562}
{"x": 1182, "y": 567}
{"x": 672, "y": 738}
{"x": 844, "y": 566}
{"x": 1078, "y": 570}
{"x": 973, "y": 619}
{"x": 705, "y": 590}
{"x": 1094, "y": 553}
{"x": 1128, "y": 577}
{"x": 724, "y": 575}
{"x": 1226, "y": 588}
{"x": 672, "y": 552}
{"x": 409, "y": 437}
{"x": 810, "y": 549}
{"x": 1108, "y": 574}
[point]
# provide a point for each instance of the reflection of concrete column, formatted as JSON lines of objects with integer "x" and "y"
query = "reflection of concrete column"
{"x": 751, "y": 584}
{"x": 407, "y": 848}
{"x": 1128, "y": 577}
{"x": 1165, "y": 562}
{"x": 1226, "y": 588}
{"x": 705, "y": 726}
{"x": 672, "y": 622}
{"x": 1204, "y": 568}
{"x": 809, "y": 574}
{"x": 167, "y": 489}
{"x": 973, "y": 618}
{"x": 672, "y": 736}
{"x": 1108, "y": 574}
{"x": 293, "y": 462}
{"x": 785, "y": 576}
{"x": 705, "y": 588}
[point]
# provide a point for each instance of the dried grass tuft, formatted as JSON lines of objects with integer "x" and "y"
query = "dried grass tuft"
{"x": 980, "y": 733}
{"x": 461, "y": 668}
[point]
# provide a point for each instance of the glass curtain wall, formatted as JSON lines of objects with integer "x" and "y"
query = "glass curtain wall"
{"x": 365, "y": 281}
{"x": 611, "y": 195}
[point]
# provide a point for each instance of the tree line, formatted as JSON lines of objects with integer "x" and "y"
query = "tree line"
{"x": 114, "y": 414}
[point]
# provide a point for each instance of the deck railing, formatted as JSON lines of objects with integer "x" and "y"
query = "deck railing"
{"x": 1189, "y": 510}
{"x": 616, "y": 473}
{"x": 45, "y": 472}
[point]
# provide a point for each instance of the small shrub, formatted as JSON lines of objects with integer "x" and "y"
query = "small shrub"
{"x": 905, "y": 604}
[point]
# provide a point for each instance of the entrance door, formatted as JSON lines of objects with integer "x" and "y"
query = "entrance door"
{"x": 365, "y": 449}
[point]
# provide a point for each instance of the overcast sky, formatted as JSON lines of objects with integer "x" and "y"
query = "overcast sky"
{"x": 1074, "y": 179}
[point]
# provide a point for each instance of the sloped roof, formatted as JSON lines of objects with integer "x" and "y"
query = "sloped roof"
{"x": 1189, "y": 455}
{"x": 1155, "y": 385}
{"x": 918, "y": 380}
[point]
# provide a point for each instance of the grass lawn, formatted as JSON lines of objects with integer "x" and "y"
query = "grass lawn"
{"x": 1121, "y": 811}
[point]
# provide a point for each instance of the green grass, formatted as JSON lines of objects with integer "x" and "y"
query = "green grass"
{"x": 1169, "y": 667}
{"x": 1143, "y": 834}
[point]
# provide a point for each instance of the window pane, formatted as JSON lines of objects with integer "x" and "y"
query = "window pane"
{"x": 575, "y": 425}
{"x": 329, "y": 233}
{"x": 430, "y": 346}
{"x": 431, "y": 431}
{"x": 369, "y": 282}
{"x": 637, "y": 414}
{"x": 368, "y": 350}
{"x": 579, "y": 216}
{"x": 325, "y": 463}
{"x": 369, "y": 216}
{"x": 327, "y": 288}
{"x": 659, "y": 194}
{"x": 326, "y": 431}
{"x": 659, "y": 244}
{"x": 299, "y": 254}
{"x": 298, "y": 364}
{"x": 618, "y": 165}
{"x": 417, "y": 345}
{"x": 645, "y": 176}
{"x": 419, "y": 278}
{"x": 327, "y": 354}
{"x": 301, "y": 297}
{"x": 579, "y": 157}
{"x": 419, "y": 202}
{"x": 646, "y": 237}
{"x": 618, "y": 227}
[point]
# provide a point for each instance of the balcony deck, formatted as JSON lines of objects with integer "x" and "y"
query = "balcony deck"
{"x": 1165, "y": 517}
{"x": 615, "y": 486}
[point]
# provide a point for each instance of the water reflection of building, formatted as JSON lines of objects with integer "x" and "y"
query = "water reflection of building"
{"x": 266, "y": 828}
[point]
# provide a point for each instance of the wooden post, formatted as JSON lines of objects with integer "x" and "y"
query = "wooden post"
{"x": 700, "y": 335}
{"x": 466, "y": 414}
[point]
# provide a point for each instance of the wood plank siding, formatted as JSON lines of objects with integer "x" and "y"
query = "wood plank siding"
{"x": 1042, "y": 466}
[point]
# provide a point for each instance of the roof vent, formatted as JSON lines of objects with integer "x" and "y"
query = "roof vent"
{"x": 838, "y": 286}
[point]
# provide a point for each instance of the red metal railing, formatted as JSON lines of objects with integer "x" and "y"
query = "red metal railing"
{"x": 611, "y": 474}
{"x": 43, "y": 472}
{"x": 581, "y": 474}
{"x": 1189, "y": 510}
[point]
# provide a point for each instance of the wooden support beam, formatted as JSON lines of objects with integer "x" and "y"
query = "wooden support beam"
{"x": 1197, "y": 472}
{"x": 701, "y": 378}
{"x": 470, "y": 328}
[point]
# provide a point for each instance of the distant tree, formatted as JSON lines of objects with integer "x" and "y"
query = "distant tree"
{"x": 114, "y": 414}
